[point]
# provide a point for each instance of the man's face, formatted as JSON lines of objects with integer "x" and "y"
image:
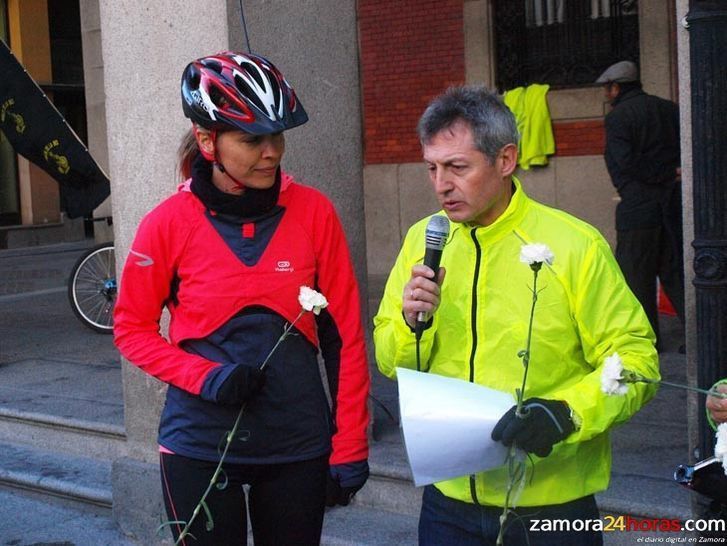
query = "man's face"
{"x": 611, "y": 91}
{"x": 468, "y": 186}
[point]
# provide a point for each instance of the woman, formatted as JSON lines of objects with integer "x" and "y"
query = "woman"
{"x": 227, "y": 255}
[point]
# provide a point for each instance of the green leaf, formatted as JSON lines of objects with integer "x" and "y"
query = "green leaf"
{"x": 223, "y": 485}
{"x": 170, "y": 523}
{"x": 210, "y": 523}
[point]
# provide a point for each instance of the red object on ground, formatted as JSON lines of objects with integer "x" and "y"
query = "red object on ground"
{"x": 664, "y": 305}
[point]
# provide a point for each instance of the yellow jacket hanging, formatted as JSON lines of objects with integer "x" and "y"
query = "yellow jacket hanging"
{"x": 530, "y": 108}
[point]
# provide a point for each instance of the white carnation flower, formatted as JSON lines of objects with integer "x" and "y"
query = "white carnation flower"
{"x": 720, "y": 450}
{"x": 536, "y": 253}
{"x": 612, "y": 375}
{"x": 310, "y": 300}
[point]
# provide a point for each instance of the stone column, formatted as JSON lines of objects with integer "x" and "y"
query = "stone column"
{"x": 93, "y": 79}
{"x": 146, "y": 45}
{"x": 685, "y": 113}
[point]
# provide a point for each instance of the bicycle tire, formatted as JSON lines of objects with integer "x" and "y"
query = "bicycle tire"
{"x": 92, "y": 288}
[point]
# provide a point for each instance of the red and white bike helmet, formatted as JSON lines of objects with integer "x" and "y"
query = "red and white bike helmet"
{"x": 239, "y": 91}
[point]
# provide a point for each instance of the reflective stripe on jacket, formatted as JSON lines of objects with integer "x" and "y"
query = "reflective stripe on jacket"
{"x": 584, "y": 313}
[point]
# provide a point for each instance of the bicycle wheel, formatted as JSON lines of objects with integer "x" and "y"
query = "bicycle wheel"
{"x": 92, "y": 288}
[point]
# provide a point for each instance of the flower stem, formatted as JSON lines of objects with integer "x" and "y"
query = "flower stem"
{"x": 280, "y": 339}
{"x": 516, "y": 477}
{"x": 515, "y": 468}
{"x": 526, "y": 353}
{"x": 230, "y": 437}
{"x": 708, "y": 392}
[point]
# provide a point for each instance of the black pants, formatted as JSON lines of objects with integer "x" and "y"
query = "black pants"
{"x": 645, "y": 255}
{"x": 286, "y": 501}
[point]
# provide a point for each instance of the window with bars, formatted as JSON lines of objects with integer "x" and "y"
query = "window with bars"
{"x": 564, "y": 43}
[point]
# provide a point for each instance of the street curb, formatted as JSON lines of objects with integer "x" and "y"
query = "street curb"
{"x": 94, "y": 428}
{"x": 56, "y": 487}
{"x": 46, "y": 249}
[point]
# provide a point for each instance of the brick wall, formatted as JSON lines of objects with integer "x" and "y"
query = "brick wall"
{"x": 579, "y": 137}
{"x": 411, "y": 50}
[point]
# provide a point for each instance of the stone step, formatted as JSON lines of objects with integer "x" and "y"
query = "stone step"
{"x": 74, "y": 478}
{"x": 66, "y": 436}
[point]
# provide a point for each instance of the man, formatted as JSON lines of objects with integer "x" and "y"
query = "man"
{"x": 479, "y": 320}
{"x": 642, "y": 156}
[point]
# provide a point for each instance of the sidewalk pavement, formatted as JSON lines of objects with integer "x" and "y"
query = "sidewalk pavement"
{"x": 51, "y": 364}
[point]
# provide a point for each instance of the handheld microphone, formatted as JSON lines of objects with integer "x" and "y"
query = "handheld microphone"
{"x": 435, "y": 237}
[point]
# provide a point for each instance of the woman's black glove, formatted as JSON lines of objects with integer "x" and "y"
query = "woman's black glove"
{"x": 344, "y": 481}
{"x": 547, "y": 422}
{"x": 241, "y": 385}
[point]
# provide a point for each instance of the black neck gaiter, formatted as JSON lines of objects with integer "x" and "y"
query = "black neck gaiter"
{"x": 251, "y": 203}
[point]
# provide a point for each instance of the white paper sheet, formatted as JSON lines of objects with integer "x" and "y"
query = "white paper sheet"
{"x": 447, "y": 425}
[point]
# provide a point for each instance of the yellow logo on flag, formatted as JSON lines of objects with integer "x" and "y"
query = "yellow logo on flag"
{"x": 17, "y": 118}
{"x": 61, "y": 161}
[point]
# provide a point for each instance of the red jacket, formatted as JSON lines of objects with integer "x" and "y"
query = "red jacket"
{"x": 180, "y": 260}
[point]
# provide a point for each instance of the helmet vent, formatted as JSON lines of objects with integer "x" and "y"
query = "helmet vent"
{"x": 254, "y": 72}
{"x": 193, "y": 79}
{"x": 249, "y": 93}
{"x": 213, "y": 64}
{"x": 276, "y": 93}
{"x": 218, "y": 99}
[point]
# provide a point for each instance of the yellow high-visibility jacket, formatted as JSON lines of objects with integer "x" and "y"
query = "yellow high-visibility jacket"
{"x": 585, "y": 312}
{"x": 530, "y": 108}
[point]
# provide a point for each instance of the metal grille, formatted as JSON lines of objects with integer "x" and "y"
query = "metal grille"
{"x": 563, "y": 43}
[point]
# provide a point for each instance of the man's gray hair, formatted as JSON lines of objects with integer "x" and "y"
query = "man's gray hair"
{"x": 493, "y": 124}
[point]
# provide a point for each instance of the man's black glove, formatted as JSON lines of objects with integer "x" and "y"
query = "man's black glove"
{"x": 344, "y": 481}
{"x": 241, "y": 385}
{"x": 547, "y": 422}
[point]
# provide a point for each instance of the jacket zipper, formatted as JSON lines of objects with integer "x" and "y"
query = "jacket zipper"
{"x": 473, "y": 317}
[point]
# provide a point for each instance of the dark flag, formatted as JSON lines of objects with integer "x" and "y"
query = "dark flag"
{"x": 38, "y": 132}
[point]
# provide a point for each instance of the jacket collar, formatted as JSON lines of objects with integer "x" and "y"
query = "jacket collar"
{"x": 508, "y": 220}
{"x": 630, "y": 94}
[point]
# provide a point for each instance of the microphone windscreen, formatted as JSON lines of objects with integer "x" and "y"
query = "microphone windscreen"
{"x": 437, "y": 232}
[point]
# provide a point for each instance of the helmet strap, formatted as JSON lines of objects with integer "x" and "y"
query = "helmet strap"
{"x": 220, "y": 167}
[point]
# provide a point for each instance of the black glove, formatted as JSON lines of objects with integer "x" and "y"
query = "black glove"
{"x": 547, "y": 422}
{"x": 241, "y": 385}
{"x": 344, "y": 481}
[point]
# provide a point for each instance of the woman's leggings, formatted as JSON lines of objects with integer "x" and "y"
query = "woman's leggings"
{"x": 286, "y": 501}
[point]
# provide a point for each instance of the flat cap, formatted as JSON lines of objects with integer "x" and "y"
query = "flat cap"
{"x": 623, "y": 71}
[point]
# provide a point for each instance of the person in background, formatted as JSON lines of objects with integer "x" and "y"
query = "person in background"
{"x": 227, "y": 255}
{"x": 643, "y": 157}
{"x": 479, "y": 304}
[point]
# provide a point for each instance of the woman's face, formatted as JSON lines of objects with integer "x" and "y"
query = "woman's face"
{"x": 251, "y": 159}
